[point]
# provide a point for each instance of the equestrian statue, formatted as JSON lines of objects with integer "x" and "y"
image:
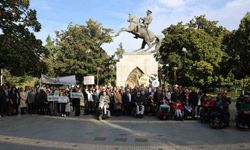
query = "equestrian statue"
{"x": 139, "y": 28}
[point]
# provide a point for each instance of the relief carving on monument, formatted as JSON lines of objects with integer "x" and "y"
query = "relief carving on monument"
{"x": 133, "y": 78}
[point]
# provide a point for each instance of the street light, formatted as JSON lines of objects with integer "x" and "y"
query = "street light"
{"x": 161, "y": 74}
{"x": 185, "y": 51}
{"x": 174, "y": 70}
{"x": 1, "y": 76}
{"x": 97, "y": 76}
{"x": 1, "y": 71}
{"x": 163, "y": 82}
{"x": 167, "y": 65}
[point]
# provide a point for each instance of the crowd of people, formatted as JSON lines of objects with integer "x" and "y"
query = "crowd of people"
{"x": 120, "y": 101}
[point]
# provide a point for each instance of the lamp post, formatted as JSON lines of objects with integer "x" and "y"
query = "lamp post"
{"x": 167, "y": 65}
{"x": 163, "y": 81}
{"x": 184, "y": 61}
{"x": 184, "y": 50}
{"x": 1, "y": 76}
{"x": 1, "y": 72}
{"x": 98, "y": 69}
{"x": 161, "y": 74}
{"x": 174, "y": 70}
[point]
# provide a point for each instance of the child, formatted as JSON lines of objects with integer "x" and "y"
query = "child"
{"x": 178, "y": 106}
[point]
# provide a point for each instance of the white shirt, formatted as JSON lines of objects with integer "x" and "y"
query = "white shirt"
{"x": 129, "y": 97}
{"x": 90, "y": 98}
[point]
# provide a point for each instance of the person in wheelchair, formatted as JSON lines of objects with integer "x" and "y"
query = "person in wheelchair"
{"x": 243, "y": 113}
{"x": 103, "y": 106}
{"x": 219, "y": 117}
{"x": 164, "y": 109}
{"x": 165, "y": 104}
{"x": 207, "y": 108}
{"x": 139, "y": 104}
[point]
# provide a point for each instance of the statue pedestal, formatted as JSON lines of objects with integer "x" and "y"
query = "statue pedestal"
{"x": 132, "y": 65}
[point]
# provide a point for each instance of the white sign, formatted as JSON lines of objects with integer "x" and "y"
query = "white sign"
{"x": 88, "y": 80}
{"x": 155, "y": 83}
{"x": 76, "y": 95}
{"x": 53, "y": 98}
{"x": 63, "y": 99}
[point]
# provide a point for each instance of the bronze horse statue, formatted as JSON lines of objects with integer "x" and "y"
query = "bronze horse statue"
{"x": 148, "y": 37}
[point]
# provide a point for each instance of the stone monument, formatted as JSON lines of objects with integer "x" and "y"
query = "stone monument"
{"x": 133, "y": 66}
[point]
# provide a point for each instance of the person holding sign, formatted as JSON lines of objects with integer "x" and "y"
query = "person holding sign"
{"x": 63, "y": 100}
{"x": 76, "y": 103}
{"x": 90, "y": 102}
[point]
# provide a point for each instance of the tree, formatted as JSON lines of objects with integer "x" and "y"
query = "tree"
{"x": 243, "y": 84}
{"x": 196, "y": 49}
{"x": 109, "y": 68}
{"x": 119, "y": 52}
{"x": 237, "y": 45}
{"x": 111, "y": 64}
{"x": 50, "y": 58}
{"x": 78, "y": 51}
{"x": 20, "y": 51}
{"x": 19, "y": 80}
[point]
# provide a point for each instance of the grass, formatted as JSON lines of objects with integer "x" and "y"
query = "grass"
{"x": 233, "y": 94}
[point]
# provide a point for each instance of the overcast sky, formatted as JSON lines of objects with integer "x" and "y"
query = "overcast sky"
{"x": 57, "y": 14}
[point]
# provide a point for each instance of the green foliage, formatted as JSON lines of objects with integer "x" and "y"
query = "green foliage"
{"x": 20, "y": 51}
{"x": 237, "y": 45}
{"x": 202, "y": 69}
{"x": 78, "y": 51}
{"x": 111, "y": 65}
{"x": 108, "y": 73}
{"x": 119, "y": 52}
{"x": 50, "y": 58}
{"x": 196, "y": 49}
{"x": 243, "y": 84}
{"x": 21, "y": 81}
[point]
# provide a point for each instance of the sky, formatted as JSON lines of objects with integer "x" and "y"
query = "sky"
{"x": 55, "y": 15}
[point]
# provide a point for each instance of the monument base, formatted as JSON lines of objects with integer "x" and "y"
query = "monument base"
{"x": 133, "y": 65}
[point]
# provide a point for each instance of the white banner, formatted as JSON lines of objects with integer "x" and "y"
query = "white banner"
{"x": 53, "y": 98}
{"x": 59, "y": 99}
{"x": 88, "y": 80}
{"x": 76, "y": 95}
{"x": 66, "y": 80}
{"x": 63, "y": 99}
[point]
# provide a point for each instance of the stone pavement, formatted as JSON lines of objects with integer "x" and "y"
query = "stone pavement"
{"x": 36, "y": 132}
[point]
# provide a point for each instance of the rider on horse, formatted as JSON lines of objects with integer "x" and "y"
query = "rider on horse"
{"x": 145, "y": 22}
{"x": 139, "y": 28}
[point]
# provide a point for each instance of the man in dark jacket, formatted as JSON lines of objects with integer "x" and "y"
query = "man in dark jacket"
{"x": 126, "y": 100}
{"x": 193, "y": 98}
{"x": 76, "y": 103}
{"x": 158, "y": 96}
{"x": 41, "y": 102}
{"x": 175, "y": 95}
{"x": 139, "y": 101}
{"x": 3, "y": 98}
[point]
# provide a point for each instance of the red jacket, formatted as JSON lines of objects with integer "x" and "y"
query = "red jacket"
{"x": 177, "y": 105}
{"x": 209, "y": 103}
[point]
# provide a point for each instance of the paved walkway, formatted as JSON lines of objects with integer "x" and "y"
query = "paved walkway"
{"x": 118, "y": 133}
